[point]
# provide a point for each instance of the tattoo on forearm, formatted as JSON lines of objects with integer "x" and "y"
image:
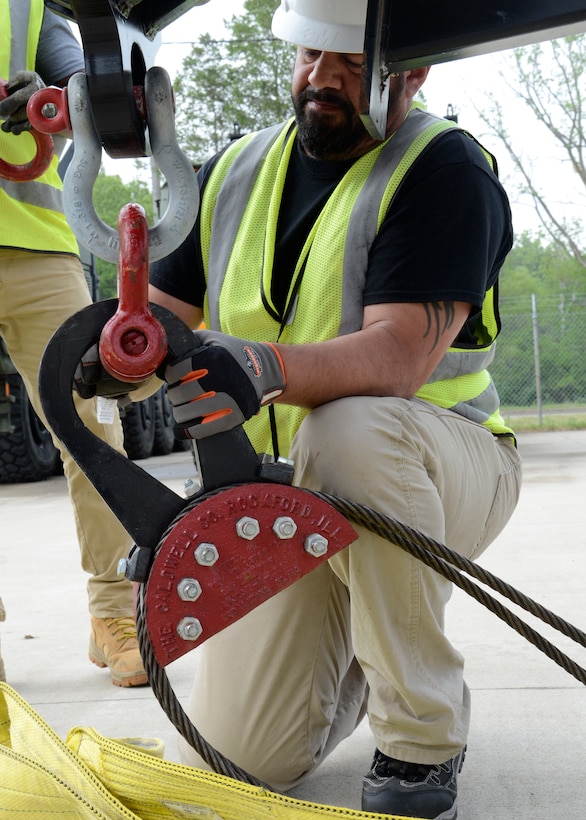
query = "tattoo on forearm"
{"x": 440, "y": 316}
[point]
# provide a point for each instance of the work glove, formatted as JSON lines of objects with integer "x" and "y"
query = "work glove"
{"x": 92, "y": 379}
{"x": 20, "y": 88}
{"x": 224, "y": 382}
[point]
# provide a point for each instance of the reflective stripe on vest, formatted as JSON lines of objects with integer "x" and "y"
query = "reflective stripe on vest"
{"x": 240, "y": 207}
{"x": 31, "y": 213}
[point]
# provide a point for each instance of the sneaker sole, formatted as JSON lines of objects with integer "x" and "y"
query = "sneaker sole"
{"x": 449, "y": 814}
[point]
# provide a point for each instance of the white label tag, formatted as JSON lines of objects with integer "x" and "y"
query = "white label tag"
{"x": 106, "y": 408}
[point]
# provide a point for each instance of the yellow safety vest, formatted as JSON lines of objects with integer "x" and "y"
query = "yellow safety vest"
{"x": 31, "y": 213}
{"x": 239, "y": 213}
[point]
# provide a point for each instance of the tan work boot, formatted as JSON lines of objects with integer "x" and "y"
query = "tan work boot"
{"x": 113, "y": 644}
{"x": 2, "y": 618}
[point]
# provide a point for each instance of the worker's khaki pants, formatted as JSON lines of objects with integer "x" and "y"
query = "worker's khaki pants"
{"x": 278, "y": 690}
{"x": 38, "y": 292}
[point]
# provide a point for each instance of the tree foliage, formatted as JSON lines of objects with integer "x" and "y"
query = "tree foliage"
{"x": 545, "y": 270}
{"x": 543, "y": 281}
{"x": 543, "y": 294}
{"x": 110, "y": 194}
{"x": 550, "y": 79}
{"x": 233, "y": 86}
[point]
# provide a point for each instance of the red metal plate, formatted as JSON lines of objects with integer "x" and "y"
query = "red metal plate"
{"x": 250, "y": 567}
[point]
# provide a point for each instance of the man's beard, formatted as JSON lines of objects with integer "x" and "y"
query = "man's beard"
{"x": 320, "y": 139}
{"x": 343, "y": 141}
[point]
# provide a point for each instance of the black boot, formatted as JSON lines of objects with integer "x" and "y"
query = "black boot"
{"x": 412, "y": 789}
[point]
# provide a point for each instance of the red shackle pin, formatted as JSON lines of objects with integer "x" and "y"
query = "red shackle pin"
{"x": 133, "y": 343}
{"x": 38, "y": 164}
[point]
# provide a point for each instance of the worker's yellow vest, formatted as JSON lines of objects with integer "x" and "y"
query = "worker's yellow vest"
{"x": 31, "y": 213}
{"x": 239, "y": 213}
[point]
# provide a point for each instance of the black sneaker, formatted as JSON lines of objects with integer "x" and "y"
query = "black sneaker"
{"x": 412, "y": 789}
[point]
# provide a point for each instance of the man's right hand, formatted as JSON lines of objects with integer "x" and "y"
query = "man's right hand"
{"x": 20, "y": 88}
{"x": 223, "y": 382}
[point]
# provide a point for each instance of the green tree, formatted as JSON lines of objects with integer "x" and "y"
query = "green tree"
{"x": 239, "y": 84}
{"x": 546, "y": 270}
{"x": 541, "y": 276}
{"x": 550, "y": 79}
{"x": 204, "y": 107}
{"x": 110, "y": 195}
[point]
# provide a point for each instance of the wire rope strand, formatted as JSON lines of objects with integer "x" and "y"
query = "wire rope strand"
{"x": 407, "y": 538}
{"x": 443, "y": 560}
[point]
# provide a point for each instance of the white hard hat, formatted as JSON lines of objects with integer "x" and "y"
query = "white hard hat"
{"x": 323, "y": 25}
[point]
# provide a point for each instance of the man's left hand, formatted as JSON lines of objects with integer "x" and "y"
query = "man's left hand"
{"x": 222, "y": 384}
{"x": 92, "y": 379}
{"x": 20, "y": 88}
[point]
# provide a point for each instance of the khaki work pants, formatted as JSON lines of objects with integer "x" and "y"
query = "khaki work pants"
{"x": 38, "y": 292}
{"x": 279, "y": 689}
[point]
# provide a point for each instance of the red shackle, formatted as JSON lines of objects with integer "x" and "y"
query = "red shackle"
{"x": 56, "y": 100}
{"x": 133, "y": 343}
{"x": 38, "y": 164}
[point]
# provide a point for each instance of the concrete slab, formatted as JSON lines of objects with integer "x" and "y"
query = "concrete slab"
{"x": 528, "y": 735}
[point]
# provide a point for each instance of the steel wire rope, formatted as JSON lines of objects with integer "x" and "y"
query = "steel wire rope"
{"x": 442, "y": 559}
{"x": 163, "y": 690}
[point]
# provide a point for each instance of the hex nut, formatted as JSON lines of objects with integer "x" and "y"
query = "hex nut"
{"x": 49, "y": 111}
{"x": 206, "y": 555}
{"x": 189, "y": 629}
{"x": 247, "y": 528}
{"x": 189, "y": 589}
{"x": 190, "y": 487}
{"x": 284, "y": 527}
{"x": 316, "y": 545}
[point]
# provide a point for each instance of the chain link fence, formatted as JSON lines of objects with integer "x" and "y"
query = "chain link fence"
{"x": 540, "y": 364}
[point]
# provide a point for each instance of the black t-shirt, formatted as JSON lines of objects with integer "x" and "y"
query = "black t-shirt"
{"x": 444, "y": 238}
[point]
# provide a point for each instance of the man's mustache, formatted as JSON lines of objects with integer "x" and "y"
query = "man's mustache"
{"x": 327, "y": 97}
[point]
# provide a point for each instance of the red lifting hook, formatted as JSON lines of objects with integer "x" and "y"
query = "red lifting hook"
{"x": 40, "y": 162}
{"x": 133, "y": 343}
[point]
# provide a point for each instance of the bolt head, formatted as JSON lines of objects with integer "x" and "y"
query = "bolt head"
{"x": 206, "y": 555}
{"x": 189, "y": 629}
{"x": 316, "y": 545}
{"x": 284, "y": 527}
{"x": 189, "y": 589}
{"x": 247, "y": 528}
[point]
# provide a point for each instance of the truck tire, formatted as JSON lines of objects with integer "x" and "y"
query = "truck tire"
{"x": 164, "y": 441}
{"x": 28, "y": 453}
{"x": 138, "y": 423}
